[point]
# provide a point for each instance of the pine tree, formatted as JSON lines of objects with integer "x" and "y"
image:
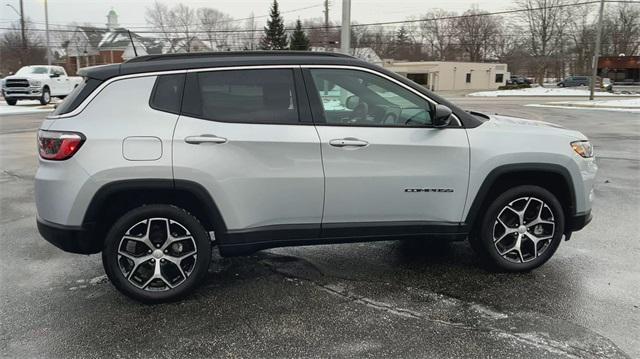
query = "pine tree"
{"x": 275, "y": 37}
{"x": 299, "y": 40}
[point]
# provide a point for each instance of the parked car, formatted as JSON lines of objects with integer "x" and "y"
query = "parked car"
{"x": 154, "y": 161}
{"x": 38, "y": 82}
{"x": 518, "y": 80}
{"x": 575, "y": 81}
{"x": 607, "y": 84}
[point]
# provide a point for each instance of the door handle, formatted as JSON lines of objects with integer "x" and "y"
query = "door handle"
{"x": 196, "y": 140}
{"x": 348, "y": 142}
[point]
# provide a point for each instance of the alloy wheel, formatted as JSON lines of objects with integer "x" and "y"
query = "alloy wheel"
{"x": 523, "y": 229}
{"x": 157, "y": 254}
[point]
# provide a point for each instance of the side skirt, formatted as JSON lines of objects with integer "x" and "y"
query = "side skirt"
{"x": 242, "y": 242}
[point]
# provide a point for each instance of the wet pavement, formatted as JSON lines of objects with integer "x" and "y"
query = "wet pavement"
{"x": 383, "y": 299}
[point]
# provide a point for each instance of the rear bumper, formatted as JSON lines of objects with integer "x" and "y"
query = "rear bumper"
{"x": 67, "y": 238}
{"x": 578, "y": 221}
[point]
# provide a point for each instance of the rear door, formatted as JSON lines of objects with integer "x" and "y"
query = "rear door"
{"x": 246, "y": 135}
{"x": 385, "y": 165}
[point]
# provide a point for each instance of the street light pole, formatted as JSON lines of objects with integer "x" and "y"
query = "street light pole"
{"x": 46, "y": 21}
{"x": 596, "y": 53}
{"x": 24, "y": 38}
{"x": 345, "y": 29}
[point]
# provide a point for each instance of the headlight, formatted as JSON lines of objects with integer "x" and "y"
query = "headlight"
{"x": 35, "y": 82}
{"x": 583, "y": 148}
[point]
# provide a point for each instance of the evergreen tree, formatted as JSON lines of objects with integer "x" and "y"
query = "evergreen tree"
{"x": 299, "y": 40}
{"x": 275, "y": 37}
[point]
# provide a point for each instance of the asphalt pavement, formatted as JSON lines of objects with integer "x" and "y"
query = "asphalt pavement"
{"x": 383, "y": 299}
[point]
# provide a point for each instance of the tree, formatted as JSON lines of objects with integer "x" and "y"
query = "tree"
{"x": 217, "y": 26}
{"x": 14, "y": 53}
{"x": 622, "y": 30}
{"x": 161, "y": 19}
{"x": 299, "y": 40}
{"x": 544, "y": 21}
{"x": 275, "y": 37}
{"x": 439, "y": 30}
{"x": 477, "y": 32}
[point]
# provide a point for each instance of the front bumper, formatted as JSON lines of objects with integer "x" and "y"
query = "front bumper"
{"x": 67, "y": 238}
{"x": 22, "y": 92}
{"x": 578, "y": 221}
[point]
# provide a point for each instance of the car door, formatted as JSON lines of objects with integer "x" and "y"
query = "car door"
{"x": 57, "y": 87}
{"x": 384, "y": 164}
{"x": 246, "y": 135}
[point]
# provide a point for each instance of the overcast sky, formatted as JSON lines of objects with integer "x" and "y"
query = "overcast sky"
{"x": 131, "y": 13}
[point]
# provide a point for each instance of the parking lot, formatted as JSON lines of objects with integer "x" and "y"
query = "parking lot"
{"x": 383, "y": 299}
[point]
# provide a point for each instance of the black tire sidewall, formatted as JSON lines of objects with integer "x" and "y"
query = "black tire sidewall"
{"x": 112, "y": 240}
{"x": 11, "y": 102}
{"x": 486, "y": 229}
{"x": 42, "y": 98}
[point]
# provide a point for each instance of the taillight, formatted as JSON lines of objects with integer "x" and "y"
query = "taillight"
{"x": 59, "y": 146}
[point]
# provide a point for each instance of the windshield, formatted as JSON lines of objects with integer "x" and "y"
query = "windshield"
{"x": 32, "y": 70}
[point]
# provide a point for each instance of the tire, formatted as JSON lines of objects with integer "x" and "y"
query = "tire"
{"x": 46, "y": 96}
{"x": 182, "y": 264}
{"x": 496, "y": 241}
{"x": 11, "y": 102}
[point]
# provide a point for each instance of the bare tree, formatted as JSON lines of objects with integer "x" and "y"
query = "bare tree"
{"x": 184, "y": 19}
{"x": 14, "y": 54}
{"x": 217, "y": 26}
{"x": 439, "y": 30}
{"x": 162, "y": 20}
{"x": 476, "y": 33}
{"x": 544, "y": 24}
{"x": 621, "y": 33}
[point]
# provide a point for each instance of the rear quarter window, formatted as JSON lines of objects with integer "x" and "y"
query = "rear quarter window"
{"x": 167, "y": 93}
{"x": 77, "y": 96}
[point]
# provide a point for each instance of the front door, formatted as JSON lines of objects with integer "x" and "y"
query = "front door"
{"x": 383, "y": 161}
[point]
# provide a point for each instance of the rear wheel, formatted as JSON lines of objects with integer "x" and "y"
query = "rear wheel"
{"x": 521, "y": 229}
{"x": 156, "y": 253}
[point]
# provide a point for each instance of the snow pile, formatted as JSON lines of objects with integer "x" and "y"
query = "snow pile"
{"x": 24, "y": 107}
{"x": 626, "y": 105}
{"x": 541, "y": 91}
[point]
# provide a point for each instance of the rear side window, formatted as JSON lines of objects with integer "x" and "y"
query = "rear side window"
{"x": 167, "y": 93}
{"x": 245, "y": 96}
{"x": 75, "y": 98}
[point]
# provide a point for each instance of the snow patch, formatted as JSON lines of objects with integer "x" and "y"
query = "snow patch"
{"x": 542, "y": 91}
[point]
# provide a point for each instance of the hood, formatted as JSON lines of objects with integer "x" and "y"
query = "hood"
{"x": 531, "y": 126}
{"x": 27, "y": 77}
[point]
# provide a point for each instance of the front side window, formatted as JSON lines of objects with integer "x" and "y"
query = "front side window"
{"x": 246, "y": 96}
{"x": 359, "y": 98}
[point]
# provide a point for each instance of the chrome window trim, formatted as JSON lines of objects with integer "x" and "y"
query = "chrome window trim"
{"x": 358, "y": 68}
{"x": 90, "y": 98}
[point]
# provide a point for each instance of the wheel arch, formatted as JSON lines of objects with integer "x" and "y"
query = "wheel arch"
{"x": 114, "y": 199}
{"x": 554, "y": 178}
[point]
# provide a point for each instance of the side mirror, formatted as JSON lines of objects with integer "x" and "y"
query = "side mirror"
{"x": 442, "y": 116}
{"x": 352, "y": 102}
{"x": 54, "y": 75}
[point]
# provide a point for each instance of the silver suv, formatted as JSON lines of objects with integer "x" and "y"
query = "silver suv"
{"x": 154, "y": 161}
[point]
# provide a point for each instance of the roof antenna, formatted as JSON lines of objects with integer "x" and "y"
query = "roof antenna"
{"x": 135, "y": 53}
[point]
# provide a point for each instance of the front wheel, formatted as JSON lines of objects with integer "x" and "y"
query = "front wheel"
{"x": 46, "y": 96}
{"x": 156, "y": 253}
{"x": 521, "y": 229}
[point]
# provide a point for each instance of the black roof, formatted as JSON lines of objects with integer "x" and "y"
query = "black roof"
{"x": 168, "y": 62}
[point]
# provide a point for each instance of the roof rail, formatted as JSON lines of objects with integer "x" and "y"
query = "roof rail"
{"x": 234, "y": 53}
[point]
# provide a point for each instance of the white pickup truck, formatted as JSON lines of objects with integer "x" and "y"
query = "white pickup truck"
{"x": 38, "y": 82}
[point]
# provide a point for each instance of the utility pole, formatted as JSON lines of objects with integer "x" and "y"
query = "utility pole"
{"x": 345, "y": 29}
{"x": 596, "y": 53}
{"x": 326, "y": 25}
{"x": 24, "y": 37}
{"x": 46, "y": 22}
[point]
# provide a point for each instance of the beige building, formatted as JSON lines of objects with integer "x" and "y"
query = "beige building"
{"x": 447, "y": 76}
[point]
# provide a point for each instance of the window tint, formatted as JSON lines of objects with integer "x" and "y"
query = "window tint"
{"x": 75, "y": 98}
{"x": 358, "y": 98}
{"x": 167, "y": 93}
{"x": 250, "y": 96}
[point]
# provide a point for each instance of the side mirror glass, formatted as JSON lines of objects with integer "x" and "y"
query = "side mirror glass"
{"x": 352, "y": 102}
{"x": 442, "y": 117}
{"x": 54, "y": 75}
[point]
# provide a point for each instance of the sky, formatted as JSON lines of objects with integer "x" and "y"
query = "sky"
{"x": 131, "y": 13}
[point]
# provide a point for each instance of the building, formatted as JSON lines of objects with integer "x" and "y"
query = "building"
{"x": 620, "y": 69}
{"x": 89, "y": 46}
{"x": 448, "y": 75}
